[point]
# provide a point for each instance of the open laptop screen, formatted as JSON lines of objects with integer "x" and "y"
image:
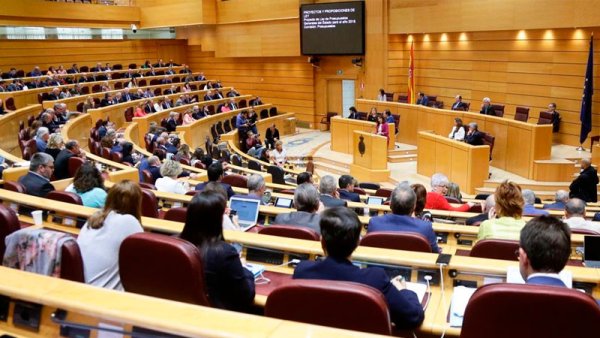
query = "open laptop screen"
{"x": 375, "y": 200}
{"x": 247, "y": 210}
{"x": 283, "y": 202}
{"x": 591, "y": 248}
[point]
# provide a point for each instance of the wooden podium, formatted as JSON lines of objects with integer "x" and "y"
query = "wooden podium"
{"x": 369, "y": 157}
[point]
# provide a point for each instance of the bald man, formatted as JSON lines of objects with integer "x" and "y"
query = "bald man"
{"x": 585, "y": 186}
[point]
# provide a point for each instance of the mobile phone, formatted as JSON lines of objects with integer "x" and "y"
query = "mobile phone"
{"x": 232, "y": 213}
{"x": 443, "y": 259}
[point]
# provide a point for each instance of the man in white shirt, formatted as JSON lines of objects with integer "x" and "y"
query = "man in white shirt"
{"x": 575, "y": 216}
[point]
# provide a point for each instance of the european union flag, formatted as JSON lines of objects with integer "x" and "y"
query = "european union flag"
{"x": 588, "y": 90}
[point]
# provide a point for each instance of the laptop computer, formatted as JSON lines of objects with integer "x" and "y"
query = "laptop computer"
{"x": 283, "y": 202}
{"x": 247, "y": 211}
{"x": 591, "y": 251}
{"x": 372, "y": 200}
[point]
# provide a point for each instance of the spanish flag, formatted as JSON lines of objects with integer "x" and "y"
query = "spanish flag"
{"x": 411, "y": 75}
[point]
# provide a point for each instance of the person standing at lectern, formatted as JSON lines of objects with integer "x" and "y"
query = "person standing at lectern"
{"x": 382, "y": 128}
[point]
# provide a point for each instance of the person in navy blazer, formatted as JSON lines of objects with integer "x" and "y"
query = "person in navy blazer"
{"x": 544, "y": 249}
{"x": 215, "y": 174}
{"x": 346, "y": 184}
{"x": 340, "y": 233}
{"x": 37, "y": 180}
{"x": 561, "y": 198}
{"x": 403, "y": 205}
{"x": 329, "y": 195}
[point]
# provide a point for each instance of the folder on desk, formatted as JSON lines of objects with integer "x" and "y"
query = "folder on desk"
{"x": 419, "y": 289}
{"x": 460, "y": 299}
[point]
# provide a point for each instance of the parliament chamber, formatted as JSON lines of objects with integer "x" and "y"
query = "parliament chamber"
{"x": 173, "y": 104}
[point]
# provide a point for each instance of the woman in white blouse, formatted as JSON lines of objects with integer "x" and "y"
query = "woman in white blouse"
{"x": 169, "y": 183}
{"x": 458, "y": 131}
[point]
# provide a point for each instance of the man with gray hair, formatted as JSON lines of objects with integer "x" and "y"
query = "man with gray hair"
{"x": 41, "y": 139}
{"x": 37, "y": 180}
{"x": 561, "y": 198}
{"x": 306, "y": 202}
{"x": 487, "y": 108}
{"x": 436, "y": 197}
{"x": 403, "y": 201}
{"x": 71, "y": 149}
{"x": 585, "y": 186}
{"x": 529, "y": 208}
{"x": 474, "y": 137}
{"x": 256, "y": 188}
{"x": 329, "y": 194}
{"x": 490, "y": 202}
{"x": 575, "y": 216}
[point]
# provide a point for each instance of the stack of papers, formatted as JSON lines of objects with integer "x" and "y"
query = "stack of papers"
{"x": 460, "y": 299}
{"x": 419, "y": 289}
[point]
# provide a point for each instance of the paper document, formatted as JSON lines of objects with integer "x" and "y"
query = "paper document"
{"x": 460, "y": 299}
{"x": 418, "y": 288}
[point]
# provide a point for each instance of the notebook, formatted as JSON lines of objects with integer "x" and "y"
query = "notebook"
{"x": 247, "y": 211}
{"x": 283, "y": 202}
{"x": 591, "y": 251}
{"x": 375, "y": 200}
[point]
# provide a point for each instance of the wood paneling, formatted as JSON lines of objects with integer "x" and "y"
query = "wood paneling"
{"x": 533, "y": 70}
{"x": 176, "y": 13}
{"x": 286, "y": 82}
{"x": 265, "y": 38}
{"x": 237, "y": 11}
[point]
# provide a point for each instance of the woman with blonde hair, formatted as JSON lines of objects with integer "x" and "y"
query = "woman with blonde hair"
{"x": 168, "y": 182}
{"x": 55, "y": 145}
{"x": 101, "y": 236}
{"x": 504, "y": 219}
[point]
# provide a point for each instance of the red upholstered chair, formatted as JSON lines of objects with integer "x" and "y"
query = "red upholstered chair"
{"x": 145, "y": 185}
{"x": 129, "y": 114}
{"x": 277, "y": 174}
{"x": 383, "y": 192}
{"x": 495, "y": 249}
{"x": 522, "y": 114}
{"x": 106, "y": 153}
{"x": 14, "y": 186}
{"x": 175, "y": 273}
{"x": 545, "y": 118}
{"x": 523, "y": 311}
{"x": 396, "y": 240}
{"x": 116, "y": 157}
{"x": 74, "y": 164}
{"x": 369, "y": 185}
{"x": 326, "y": 120}
{"x": 178, "y": 214}
{"x": 71, "y": 263}
{"x": 291, "y": 232}
{"x": 149, "y": 204}
{"x": 147, "y": 176}
{"x": 356, "y": 306}
{"x": 236, "y": 181}
{"x": 9, "y": 223}
{"x": 498, "y": 109}
{"x": 63, "y": 196}
{"x": 584, "y": 232}
{"x": 359, "y": 191}
{"x": 10, "y": 104}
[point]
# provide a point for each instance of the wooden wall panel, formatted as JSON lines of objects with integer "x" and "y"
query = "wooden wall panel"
{"x": 236, "y": 11}
{"x": 267, "y": 38}
{"x": 286, "y": 82}
{"x": 23, "y": 54}
{"x": 174, "y": 13}
{"x": 531, "y": 69}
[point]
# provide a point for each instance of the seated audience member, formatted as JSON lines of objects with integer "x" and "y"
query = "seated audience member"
{"x": 555, "y": 117}
{"x": 89, "y": 185}
{"x": 585, "y": 186}
{"x": 560, "y": 199}
{"x": 474, "y": 137}
{"x": 169, "y": 171}
{"x": 490, "y": 202}
{"x": 183, "y": 153}
{"x": 254, "y": 144}
{"x": 329, "y": 195}
{"x": 101, "y": 236}
{"x": 340, "y": 232}
{"x": 37, "y": 180}
{"x": 256, "y": 188}
{"x": 41, "y": 139}
{"x": 504, "y": 220}
{"x": 229, "y": 285}
{"x": 61, "y": 165}
{"x": 454, "y": 191}
{"x": 436, "y": 197}
{"x": 575, "y": 216}
{"x": 139, "y": 110}
{"x": 306, "y": 202}
{"x": 152, "y": 164}
{"x": 172, "y": 121}
{"x": 544, "y": 250}
{"x": 188, "y": 118}
{"x": 423, "y": 100}
{"x": 229, "y": 222}
{"x": 389, "y": 119}
{"x": 420, "y": 211}
{"x": 372, "y": 117}
{"x": 487, "y": 108}
{"x": 403, "y": 201}
{"x": 529, "y": 208}
{"x": 458, "y": 130}
{"x": 128, "y": 155}
{"x": 304, "y": 177}
{"x": 353, "y": 115}
{"x": 197, "y": 156}
{"x": 346, "y": 184}
{"x": 381, "y": 96}
{"x": 279, "y": 155}
{"x": 55, "y": 145}
{"x": 458, "y": 104}
{"x": 271, "y": 136}
{"x": 47, "y": 119}
{"x": 215, "y": 174}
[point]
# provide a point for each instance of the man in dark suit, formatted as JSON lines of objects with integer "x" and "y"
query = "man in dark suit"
{"x": 544, "y": 249}
{"x": 458, "y": 104}
{"x": 201, "y": 77}
{"x": 306, "y": 201}
{"x": 271, "y": 136}
{"x": 487, "y": 108}
{"x": 172, "y": 121}
{"x": 423, "y": 100}
{"x": 215, "y": 174}
{"x": 474, "y": 137}
{"x": 107, "y": 100}
{"x": 346, "y": 184}
{"x": 256, "y": 188}
{"x": 403, "y": 201}
{"x": 55, "y": 94}
{"x": 329, "y": 195}
{"x": 585, "y": 186}
{"x": 340, "y": 233}
{"x": 490, "y": 202}
{"x": 61, "y": 166}
{"x": 37, "y": 180}
{"x": 561, "y": 198}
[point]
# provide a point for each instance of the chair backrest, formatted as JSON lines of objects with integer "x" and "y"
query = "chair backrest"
{"x": 236, "y": 160}
{"x": 495, "y": 249}
{"x": 236, "y": 180}
{"x": 14, "y": 186}
{"x": 396, "y": 240}
{"x": 452, "y": 199}
{"x": 498, "y": 109}
{"x": 273, "y": 111}
{"x": 291, "y": 232}
{"x": 10, "y": 104}
{"x": 9, "y": 223}
{"x": 356, "y": 306}
{"x": 403, "y": 98}
{"x": 522, "y": 114}
{"x": 64, "y": 196}
{"x": 129, "y": 114}
{"x": 254, "y": 165}
{"x": 369, "y": 185}
{"x": 277, "y": 174}
{"x": 505, "y": 310}
{"x": 175, "y": 273}
{"x": 383, "y": 192}
{"x": 489, "y": 140}
{"x": 149, "y": 204}
{"x": 116, "y": 157}
{"x": 359, "y": 191}
{"x": 74, "y": 163}
{"x": 176, "y": 214}
{"x": 71, "y": 263}
{"x": 545, "y": 118}
{"x": 105, "y": 153}
{"x": 584, "y": 231}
